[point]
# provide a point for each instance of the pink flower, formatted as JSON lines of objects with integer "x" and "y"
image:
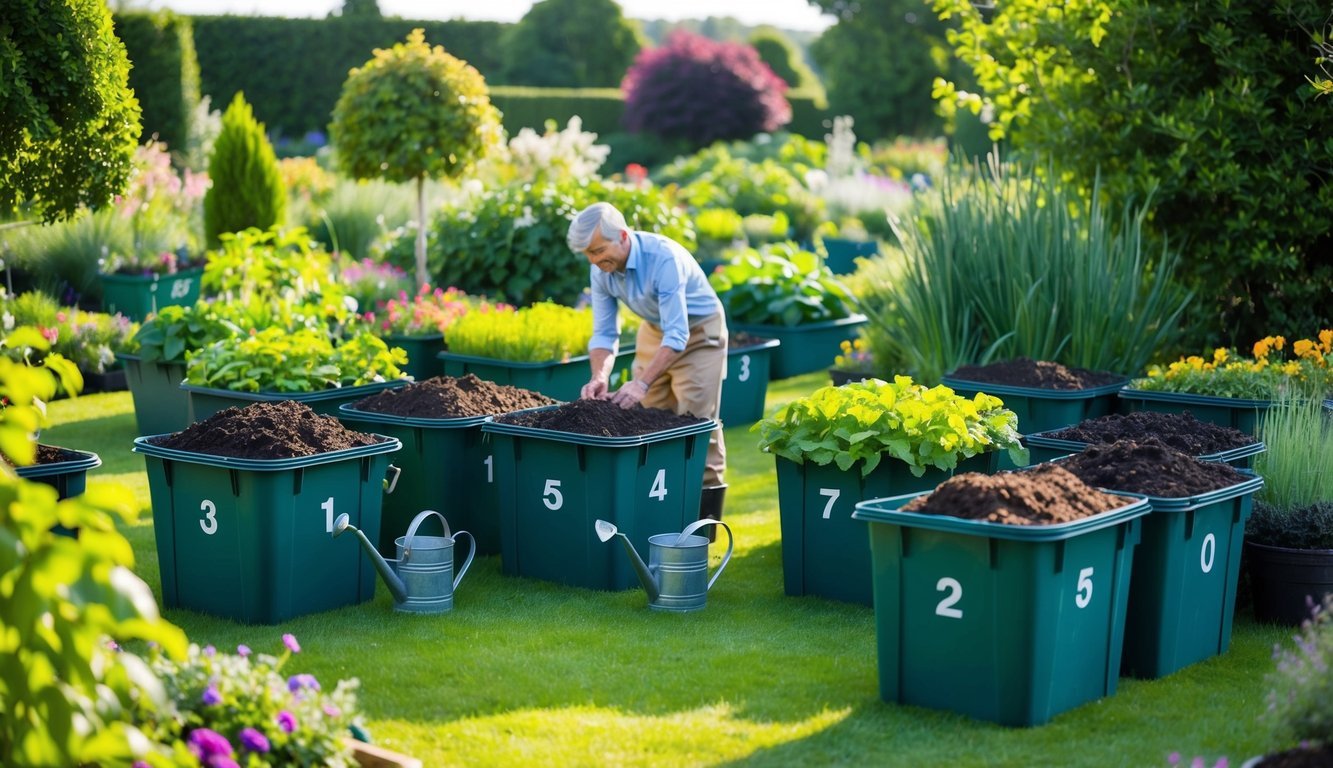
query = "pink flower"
{"x": 289, "y": 640}
{"x": 286, "y": 721}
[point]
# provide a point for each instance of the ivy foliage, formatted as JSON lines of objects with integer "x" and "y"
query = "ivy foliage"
{"x": 247, "y": 186}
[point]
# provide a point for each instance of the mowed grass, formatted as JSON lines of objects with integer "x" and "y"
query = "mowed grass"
{"x": 525, "y": 672}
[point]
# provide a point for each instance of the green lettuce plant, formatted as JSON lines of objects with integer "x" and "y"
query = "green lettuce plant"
{"x": 305, "y": 360}
{"x": 780, "y": 284}
{"x": 865, "y": 421}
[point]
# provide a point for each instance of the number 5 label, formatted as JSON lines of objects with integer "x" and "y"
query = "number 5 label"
{"x": 1083, "y": 595}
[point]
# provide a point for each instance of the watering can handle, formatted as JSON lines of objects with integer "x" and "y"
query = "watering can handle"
{"x": 471, "y": 550}
{"x": 416, "y": 523}
{"x": 731, "y": 543}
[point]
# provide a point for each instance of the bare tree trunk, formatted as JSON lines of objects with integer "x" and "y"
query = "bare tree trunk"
{"x": 422, "y": 277}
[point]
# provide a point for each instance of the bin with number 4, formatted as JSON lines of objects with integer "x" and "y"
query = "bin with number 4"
{"x": 553, "y": 485}
{"x": 250, "y": 539}
{"x": 1007, "y": 623}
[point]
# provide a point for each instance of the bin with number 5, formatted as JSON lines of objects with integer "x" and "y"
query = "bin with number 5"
{"x": 249, "y": 539}
{"x": 1007, "y": 623}
{"x": 746, "y": 383}
{"x": 554, "y": 485}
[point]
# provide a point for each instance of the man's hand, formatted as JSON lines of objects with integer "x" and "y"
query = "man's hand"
{"x": 595, "y": 389}
{"x": 629, "y": 395}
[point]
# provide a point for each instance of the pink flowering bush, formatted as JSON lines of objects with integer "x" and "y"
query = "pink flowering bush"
{"x": 237, "y": 709}
{"x": 371, "y": 282}
{"x": 697, "y": 90}
{"x": 163, "y": 208}
{"x": 428, "y": 312}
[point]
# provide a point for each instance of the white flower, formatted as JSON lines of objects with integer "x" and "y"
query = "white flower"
{"x": 526, "y": 220}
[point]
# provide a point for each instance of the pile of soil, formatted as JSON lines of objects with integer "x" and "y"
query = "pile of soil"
{"x": 446, "y": 397}
{"x": 49, "y": 454}
{"x": 1180, "y": 431}
{"x": 741, "y": 339}
{"x": 282, "y": 429}
{"x": 1038, "y": 374}
{"x": 1151, "y": 468}
{"x": 1312, "y": 756}
{"x": 1044, "y": 495}
{"x": 601, "y": 418}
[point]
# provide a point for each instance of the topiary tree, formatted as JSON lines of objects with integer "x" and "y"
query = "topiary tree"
{"x": 570, "y": 44}
{"x": 700, "y": 91}
{"x": 69, "y": 123}
{"x": 1215, "y": 111}
{"x": 413, "y": 112}
{"x": 247, "y": 186}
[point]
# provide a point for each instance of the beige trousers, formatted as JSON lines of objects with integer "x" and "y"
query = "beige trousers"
{"x": 693, "y": 383}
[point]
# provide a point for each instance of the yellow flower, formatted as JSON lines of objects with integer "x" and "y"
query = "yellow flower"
{"x": 1303, "y": 348}
{"x": 1219, "y": 356}
{"x": 1291, "y": 368}
{"x": 1326, "y": 340}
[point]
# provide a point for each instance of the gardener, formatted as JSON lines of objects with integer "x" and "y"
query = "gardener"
{"x": 681, "y": 349}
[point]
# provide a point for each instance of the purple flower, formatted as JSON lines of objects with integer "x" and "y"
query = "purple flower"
{"x": 289, "y": 640}
{"x": 211, "y": 696}
{"x": 243, "y": 650}
{"x": 297, "y": 682}
{"x": 220, "y": 761}
{"x": 286, "y": 721}
{"x": 140, "y": 764}
{"x": 253, "y": 741}
{"x": 205, "y": 743}
{"x": 331, "y": 711}
{"x": 209, "y": 651}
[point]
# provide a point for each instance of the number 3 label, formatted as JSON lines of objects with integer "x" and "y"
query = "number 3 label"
{"x": 210, "y": 522}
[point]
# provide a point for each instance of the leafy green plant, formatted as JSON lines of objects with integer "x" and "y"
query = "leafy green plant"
{"x": 780, "y": 284}
{"x": 304, "y": 360}
{"x": 168, "y": 335}
{"x": 1300, "y": 696}
{"x": 1265, "y": 376}
{"x": 539, "y": 333}
{"x": 767, "y": 186}
{"x": 868, "y": 420}
{"x": 247, "y": 186}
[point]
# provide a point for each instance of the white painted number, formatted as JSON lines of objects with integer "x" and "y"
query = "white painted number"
{"x": 327, "y": 506}
{"x": 955, "y": 590}
{"x": 552, "y": 497}
{"x": 745, "y": 369}
{"x": 832, "y": 494}
{"x": 1084, "y": 594}
{"x": 1208, "y": 553}
{"x": 180, "y": 288}
{"x": 490, "y": 468}
{"x": 210, "y": 521}
{"x": 659, "y": 490}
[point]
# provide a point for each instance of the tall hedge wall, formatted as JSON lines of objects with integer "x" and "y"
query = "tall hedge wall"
{"x": 292, "y": 70}
{"x": 165, "y": 72}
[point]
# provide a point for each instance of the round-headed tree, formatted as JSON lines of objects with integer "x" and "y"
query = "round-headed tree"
{"x": 699, "y": 91}
{"x": 247, "y": 188}
{"x": 413, "y": 111}
{"x": 69, "y": 123}
{"x": 570, "y": 44}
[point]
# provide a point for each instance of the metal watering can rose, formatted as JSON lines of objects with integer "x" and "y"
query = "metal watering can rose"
{"x": 676, "y": 574}
{"x": 421, "y": 579}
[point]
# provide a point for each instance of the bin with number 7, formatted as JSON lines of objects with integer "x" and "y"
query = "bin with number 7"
{"x": 248, "y": 539}
{"x": 554, "y": 485}
{"x": 1008, "y": 623}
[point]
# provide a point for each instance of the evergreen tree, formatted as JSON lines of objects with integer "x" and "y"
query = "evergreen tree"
{"x": 247, "y": 186}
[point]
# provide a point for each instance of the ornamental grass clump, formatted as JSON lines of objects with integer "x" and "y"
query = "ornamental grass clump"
{"x": 1294, "y": 509}
{"x": 865, "y": 421}
{"x": 540, "y": 333}
{"x": 1267, "y": 375}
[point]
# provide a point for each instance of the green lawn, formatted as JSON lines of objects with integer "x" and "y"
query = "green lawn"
{"x": 525, "y": 672}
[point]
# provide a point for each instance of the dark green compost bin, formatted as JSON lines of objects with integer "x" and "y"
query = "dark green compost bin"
{"x": 138, "y": 296}
{"x": 1042, "y": 447}
{"x": 746, "y": 383}
{"x": 1041, "y": 410}
{"x": 804, "y": 348}
{"x": 160, "y": 405}
{"x": 69, "y": 477}
{"x": 206, "y": 401}
{"x": 1237, "y": 413}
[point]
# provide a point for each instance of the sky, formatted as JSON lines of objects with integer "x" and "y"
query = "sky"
{"x": 785, "y": 14}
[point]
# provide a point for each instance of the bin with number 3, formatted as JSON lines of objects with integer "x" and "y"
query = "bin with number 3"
{"x": 1007, "y": 623}
{"x": 250, "y": 539}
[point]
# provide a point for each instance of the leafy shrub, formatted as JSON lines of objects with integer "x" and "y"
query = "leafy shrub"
{"x": 165, "y": 75}
{"x": 780, "y": 284}
{"x": 305, "y": 360}
{"x": 174, "y": 330}
{"x": 571, "y": 44}
{"x": 275, "y": 267}
{"x": 765, "y": 187}
{"x": 1300, "y": 695}
{"x": 700, "y": 91}
{"x": 247, "y": 186}
{"x": 783, "y": 57}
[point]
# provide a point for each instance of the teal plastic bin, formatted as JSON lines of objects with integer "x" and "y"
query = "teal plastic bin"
{"x": 160, "y": 405}
{"x": 445, "y": 465}
{"x": 1238, "y": 413}
{"x": 1008, "y": 623}
{"x": 69, "y": 477}
{"x": 1042, "y": 447}
{"x": 561, "y": 380}
{"x": 423, "y": 354}
{"x": 804, "y": 348}
{"x": 252, "y": 539}
{"x": 1183, "y": 596}
{"x": 842, "y": 254}
{"x": 824, "y": 551}
{"x": 746, "y": 383}
{"x": 553, "y": 485}
{"x": 138, "y": 296}
{"x": 1041, "y": 410}
{"x": 206, "y": 401}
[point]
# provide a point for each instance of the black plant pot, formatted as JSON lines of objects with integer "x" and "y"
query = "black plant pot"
{"x": 1283, "y": 581}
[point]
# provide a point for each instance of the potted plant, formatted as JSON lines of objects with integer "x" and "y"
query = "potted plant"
{"x": 1300, "y": 695}
{"x": 155, "y": 366}
{"x": 417, "y": 324}
{"x": 863, "y": 440}
{"x": 1289, "y": 536}
{"x": 1234, "y": 390}
{"x": 783, "y": 292}
{"x": 843, "y": 245}
{"x": 853, "y": 363}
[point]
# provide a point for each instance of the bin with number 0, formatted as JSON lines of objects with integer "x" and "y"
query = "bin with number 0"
{"x": 746, "y": 382}
{"x": 1013, "y": 624}
{"x": 824, "y": 550}
{"x": 553, "y": 485}
{"x": 251, "y": 539}
{"x": 1185, "y": 574}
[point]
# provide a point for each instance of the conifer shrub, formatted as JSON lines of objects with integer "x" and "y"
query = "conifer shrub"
{"x": 247, "y": 186}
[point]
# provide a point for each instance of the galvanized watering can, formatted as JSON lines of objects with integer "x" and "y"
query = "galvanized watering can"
{"x": 676, "y": 574}
{"x": 421, "y": 579}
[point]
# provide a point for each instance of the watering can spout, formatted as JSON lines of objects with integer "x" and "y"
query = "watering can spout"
{"x": 605, "y": 531}
{"x": 396, "y": 586}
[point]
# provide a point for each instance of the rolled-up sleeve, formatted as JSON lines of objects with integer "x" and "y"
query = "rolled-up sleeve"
{"x": 672, "y": 306}
{"x": 605, "y": 315}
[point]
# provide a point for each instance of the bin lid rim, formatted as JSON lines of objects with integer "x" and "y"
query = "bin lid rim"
{"x": 86, "y": 460}
{"x": 300, "y": 397}
{"x": 1129, "y": 393}
{"x": 445, "y": 422}
{"x": 889, "y": 510}
{"x": 387, "y": 444}
{"x": 495, "y": 427}
{"x": 1036, "y": 393}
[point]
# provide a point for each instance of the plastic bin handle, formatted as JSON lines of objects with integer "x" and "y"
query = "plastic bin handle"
{"x": 391, "y": 482}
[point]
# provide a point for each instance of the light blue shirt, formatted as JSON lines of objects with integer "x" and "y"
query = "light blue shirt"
{"x": 662, "y": 283}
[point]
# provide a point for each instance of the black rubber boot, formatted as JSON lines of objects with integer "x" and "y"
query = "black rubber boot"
{"x": 710, "y": 506}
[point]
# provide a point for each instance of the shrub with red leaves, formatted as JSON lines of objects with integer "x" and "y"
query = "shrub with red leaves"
{"x": 697, "y": 90}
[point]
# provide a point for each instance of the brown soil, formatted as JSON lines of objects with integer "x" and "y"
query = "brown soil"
{"x": 1025, "y": 372}
{"x": 1300, "y": 757}
{"x": 1043, "y": 495}
{"x": 1151, "y": 468}
{"x": 741, "y": 339}
{"x": 282, "y": 429}
{"x": 601, "y": 418}
{"x": 446, "y": 397}
{"x": 49, "y": 454}
{"x": 1180, "y": 431}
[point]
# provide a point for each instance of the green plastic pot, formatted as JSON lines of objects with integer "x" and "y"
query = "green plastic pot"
{"x": 160, "y": 405}
{"x": 68, "y": 477}
{"x": 746, "y": 382}
{"x": 842, "y": 254}
{"x": 138, "y": 296}
{"x": 423, "y": 361}
{"x": 206, "y": 401}
{"x": 1042, "y": 410}
{"x": 804, "y": 348}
